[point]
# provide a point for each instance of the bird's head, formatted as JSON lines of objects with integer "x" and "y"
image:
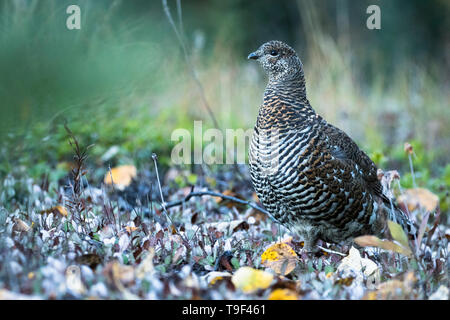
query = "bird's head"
{"x": 279, "y": 61}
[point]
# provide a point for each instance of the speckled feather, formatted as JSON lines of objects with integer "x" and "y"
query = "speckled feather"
{"x": 310, "y": 175}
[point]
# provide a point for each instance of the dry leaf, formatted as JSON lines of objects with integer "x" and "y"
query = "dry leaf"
{"x": 91, "y": 259}
{"x": 56, "y": 210}
{"x": 228, "y": 203}
{"x": 121, "y": 176}
{"x": 130, "y": 229}
{"x": 146, "y": 266}
{"x": 280, "y": 257}
{"x": 373, "y": 241}
{"x": 21, "y": 225}
{"x": 73, "y": 280}
{"x": 120, "y": 274}
{"x": 419, "y": 197}
{"x": 354, "y": 266}
{"x": 283, "y": 294}
{"x": 61, "y": 210}
{"x": 394, "y": 289}
{"x": 249, "y": 280}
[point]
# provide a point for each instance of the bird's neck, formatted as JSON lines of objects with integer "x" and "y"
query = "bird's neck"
{"x": 285, "y": 105}
{"x": 292, "y": 88}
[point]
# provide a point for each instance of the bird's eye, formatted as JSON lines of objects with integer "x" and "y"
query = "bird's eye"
{"x": 274, "y": 53}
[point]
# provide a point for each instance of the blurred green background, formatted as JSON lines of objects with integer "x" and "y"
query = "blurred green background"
{"x": 122, "y": 79}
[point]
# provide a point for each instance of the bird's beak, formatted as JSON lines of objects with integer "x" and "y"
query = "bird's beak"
{"x": 253, "y": 56}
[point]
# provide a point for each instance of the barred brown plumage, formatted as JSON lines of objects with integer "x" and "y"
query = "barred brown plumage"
{"x": 308, "y": 174}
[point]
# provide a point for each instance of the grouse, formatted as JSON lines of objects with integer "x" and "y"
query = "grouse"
{"x": 309, "y": 175}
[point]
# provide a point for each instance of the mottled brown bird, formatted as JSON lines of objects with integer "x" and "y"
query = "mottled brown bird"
{"x": 308, "y": 174}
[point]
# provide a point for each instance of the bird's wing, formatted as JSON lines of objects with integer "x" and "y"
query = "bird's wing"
{"x": 344, "y": 148}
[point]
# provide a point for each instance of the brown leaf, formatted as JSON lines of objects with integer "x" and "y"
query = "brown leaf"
{"x": 241, "y": 226}
{"x": 21, "y": 225}
{"x": 394, "y": 289}
{"x": 419, "y": 198}
{"x": 90, "y": 259}
{"x": 121, "y": 176}
{"x": 373, "y": 241}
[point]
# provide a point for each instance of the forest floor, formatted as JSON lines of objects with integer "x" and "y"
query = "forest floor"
{"x": 168, "y": 233}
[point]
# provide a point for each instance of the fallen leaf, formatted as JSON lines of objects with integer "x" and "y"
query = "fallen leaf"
{"x": 122, "y": 274}
{"x": 394, "y": 289}
{"x": 21, "y": 225}
{"x": 280, "y": 257}
{"x": 398, "y": 234}
{"x": 118, "y": 273}
{"x": 121, "y": 176}
{"x": 130, "y": 229}
{"x": 146, "y": 266}
{"x": 73, "y": 280}
{"x": 358, "y": 269}
{"x": 231, "y": 204}
{"x": 61, "y": 210}
{"x": 56, "y": 210}
{"x": 249, "y": 280}
{"x": 124, "y": 242}
{"x": 419, "y": 197}
{"x": 373, "y": 241}
{"x": 283, "y": 294}
{"x": 91, "y": 259}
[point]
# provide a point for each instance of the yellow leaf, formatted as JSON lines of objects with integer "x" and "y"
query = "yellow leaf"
{"x": 61, "y": 210}
{"x": 130, "y": 229}
{"x": 283, "y": 294}
{"x": 398, "y": 233}
{"x": 121, "y": 176}
{"x": 280, "y": 257}
{"x": 248, "y": 279}
{"x": 419, "y": 197}
{"x": 57, "y": 209}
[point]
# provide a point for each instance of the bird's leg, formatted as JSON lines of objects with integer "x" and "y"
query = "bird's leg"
{"x": 310, "y": 246}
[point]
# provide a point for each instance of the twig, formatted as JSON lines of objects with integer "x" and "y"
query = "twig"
{"x": 185, "y": 240}
{"x": 331, "y": 251}
{"x": 192, "y": 194}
